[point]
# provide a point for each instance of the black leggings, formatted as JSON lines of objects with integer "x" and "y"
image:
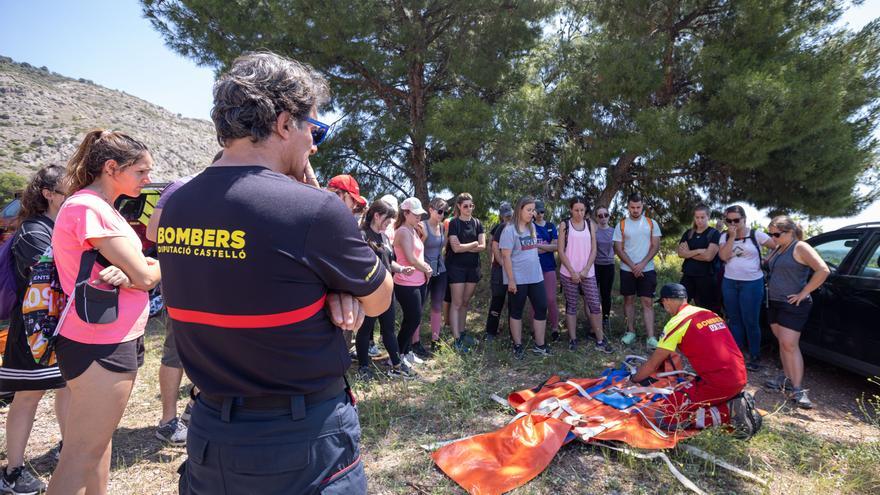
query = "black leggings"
{"x": 496, "y": 305}
{"x": 386, "y": 328}
{"x": 410, "y": 298}
{"x": 605, "y": 279}
{"x": 704, "y": 290}
{"x": 537, "y": 296}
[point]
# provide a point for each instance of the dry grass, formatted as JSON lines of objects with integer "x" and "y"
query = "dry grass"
{"x": 823, "y": 451}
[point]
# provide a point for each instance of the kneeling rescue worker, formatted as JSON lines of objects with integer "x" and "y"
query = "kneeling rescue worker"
{"x": 716, "y": 396}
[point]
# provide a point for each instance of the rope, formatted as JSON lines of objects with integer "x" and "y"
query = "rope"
{"x": 690, "y": 449}
{"x": 658, "y": 455}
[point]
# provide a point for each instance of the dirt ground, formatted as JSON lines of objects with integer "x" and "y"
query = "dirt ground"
{"x": 830, "y": 449}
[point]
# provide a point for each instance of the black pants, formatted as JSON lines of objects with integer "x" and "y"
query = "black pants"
{"x": 704, "y": 291}
{"x": 536, "y": 295}
{"x": 605, "y": 279}
{"x": 410, "y": 299}
{"x": 386, "y": 328}
{"x": 496, "y": 305}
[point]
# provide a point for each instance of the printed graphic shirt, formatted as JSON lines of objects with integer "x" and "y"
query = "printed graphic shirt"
{"x": 704, "y": 339}
{"x": 523, "y": 255}
{"x": 247, "y": 258}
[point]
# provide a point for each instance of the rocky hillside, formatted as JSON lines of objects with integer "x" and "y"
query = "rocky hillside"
{"x": 43, "y": 116}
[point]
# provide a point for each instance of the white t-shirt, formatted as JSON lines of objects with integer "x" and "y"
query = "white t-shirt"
{"x": 638, "y": 240}
{"x": 745, "y": 264}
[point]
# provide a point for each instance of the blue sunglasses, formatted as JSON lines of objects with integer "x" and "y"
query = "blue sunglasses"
{"x": 320, "y": 134}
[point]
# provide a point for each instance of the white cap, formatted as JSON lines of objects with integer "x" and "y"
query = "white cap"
{"x": 391, "y": 200}
{"x": 414, "y": 205}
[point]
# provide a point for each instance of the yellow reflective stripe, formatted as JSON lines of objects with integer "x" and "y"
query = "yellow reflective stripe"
{"x": 373, "y": 271}
{"x": 673, "y": 331}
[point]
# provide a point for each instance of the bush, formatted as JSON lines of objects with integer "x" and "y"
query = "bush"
{"x": 10, "y": 184}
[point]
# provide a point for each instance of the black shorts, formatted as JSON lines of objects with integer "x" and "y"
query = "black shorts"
{"x": 788, "y": 315}
{"x": 74, "y": 358}
{"x": 462, "y": 275}
{"x": 643, "y": 286}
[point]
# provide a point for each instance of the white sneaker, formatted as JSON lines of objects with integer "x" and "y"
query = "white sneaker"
{"x": 412, "y": 358}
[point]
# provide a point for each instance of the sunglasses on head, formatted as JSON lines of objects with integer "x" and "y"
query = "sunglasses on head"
{"x": 732, "y": 220}
{"x": 319, "y": 134}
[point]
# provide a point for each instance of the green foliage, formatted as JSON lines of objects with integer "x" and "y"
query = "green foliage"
{"x": 10, "y": 184}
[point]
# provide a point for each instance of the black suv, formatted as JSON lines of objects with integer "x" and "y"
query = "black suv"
{"x": 844, "y": 325}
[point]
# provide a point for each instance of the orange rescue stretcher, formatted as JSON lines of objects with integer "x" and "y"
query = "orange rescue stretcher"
{"x": 558, "y": 411}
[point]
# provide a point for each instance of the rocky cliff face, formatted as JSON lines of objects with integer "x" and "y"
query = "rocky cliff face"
{"x": 44, "y": 116}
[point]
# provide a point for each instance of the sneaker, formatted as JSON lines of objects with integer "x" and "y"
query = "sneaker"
{"x": 435, "y": 346}
{"x": 628, "y": 338}
{"x": 187, "y": 412}
{"x": 173, "y": 432}
{"x": 420, "y": 351}
{"x": 518, "y": 352}
{"x": 366, "y": 374}
{"x": 412, "y": 359}
{"x": 461, "y": 346}
{"x": 554, "y": 336}
{"x": 604, "y": 346}
{"x": 21, "y": 482}
{"x": 652, "y": 343}
{"x": 401, "y": 371}
{"x": 373, "y": 351}
{"x": 490, "y": 337}
{"x": 572, "y": 345}
{"x": 780, "y": 384}
{"x": 541, "y": 350}
{"x": 353, "y": 356}
{"x": 799, "y": 396}
{"x": 744, "y": 417}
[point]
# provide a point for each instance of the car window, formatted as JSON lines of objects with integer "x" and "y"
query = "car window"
{"x": 871, "y": 265}
{"x": 834, "y": 251}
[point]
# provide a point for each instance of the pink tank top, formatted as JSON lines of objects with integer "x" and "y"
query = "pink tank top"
{"x": 578, "y": 244}
{"x": 416, "y": 278}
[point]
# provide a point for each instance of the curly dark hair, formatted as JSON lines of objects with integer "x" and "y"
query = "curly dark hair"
{"x": 259, "y": 86}
{"x": 33, "y": 202}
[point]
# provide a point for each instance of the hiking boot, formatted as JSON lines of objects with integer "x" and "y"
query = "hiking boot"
{"x": 572, "y": 345}
{"x": 187, "y": 413}
{"x": 604, "y": 347}
{"x": 799, "y": 396}
{"x": 541, "y": 350}
{"x": 778, "y": 384}
{"x": 419, "y": 350}
{"x": 401, "y": 371}
{"x": 518, "y": 352}
{"x": 173, "y": 432}
{"x": 20, "y": 482}
{"x": 628, "y": 338}
{"x": 373, "y": 351}
{"x": 744, "y": 417}
{"x": 652, "y": 343}
{"x": 366, "y": 374}
{"x": 554, "y": 336}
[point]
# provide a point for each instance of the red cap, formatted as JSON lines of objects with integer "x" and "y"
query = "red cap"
{"x": 348, "y": 184}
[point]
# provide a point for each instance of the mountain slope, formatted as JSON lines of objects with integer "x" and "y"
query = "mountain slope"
{"x": 44, "y": 116}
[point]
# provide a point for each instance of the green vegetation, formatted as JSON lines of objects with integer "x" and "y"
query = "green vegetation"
{"x": 10, "y": 184}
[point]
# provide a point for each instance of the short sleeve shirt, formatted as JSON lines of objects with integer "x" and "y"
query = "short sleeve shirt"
{"x": 523, "y": 255}
{"x": 704, "y": 339}
{"x": 638, "y": 239}
{"x": 83, "y": 217}
{"x": 247, "y": 258}
{"x": 699, "y": 240}
{"x": 466, "y": 232}
{"x": 604, "y": 245}
{"x": 546, "y": 235}
{"x": 745, "y": 264}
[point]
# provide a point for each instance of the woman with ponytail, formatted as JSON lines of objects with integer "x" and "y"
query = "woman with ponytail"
{"x": 699, "y": 247}
{"x": 21, "y": 372}
{"x": 99, "y": 355}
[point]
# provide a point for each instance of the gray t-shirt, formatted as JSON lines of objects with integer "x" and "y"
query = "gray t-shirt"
{"x": 604, "y": 245}
{"x": 524, "y": 255}
{"x": 637, "y": 244}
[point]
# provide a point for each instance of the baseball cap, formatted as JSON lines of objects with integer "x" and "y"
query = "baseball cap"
{"x": 391, "y": 200}
{"x": 414, "y": 205}
{"x": 673, "y": 291}
{"x": 505, "y": 210}
{"x": 539, "y": 206}
{"x": 347, "y": 183}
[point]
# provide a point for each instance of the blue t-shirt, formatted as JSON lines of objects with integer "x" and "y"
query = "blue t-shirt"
{"x": 546, "y": 235}
{"x": 247, "y": 257}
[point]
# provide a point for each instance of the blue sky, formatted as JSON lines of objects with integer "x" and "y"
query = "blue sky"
{"x": 112, "y": 44}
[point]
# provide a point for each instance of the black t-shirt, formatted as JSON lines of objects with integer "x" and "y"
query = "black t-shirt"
{"x": 31, "y": 240}
{"x": 699, "y": 241}
{"x": 247, "y": 257}
{"x": 381, "y": 245}
{"x": 465, "y": 231}
{"x": 497, "y": 275}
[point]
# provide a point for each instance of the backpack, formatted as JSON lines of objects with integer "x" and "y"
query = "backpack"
{"x": 8, "y": 286}
{"x": 567, "y": 224}
{"x": 623, "y": 230}
{"x": 43, "y": 308}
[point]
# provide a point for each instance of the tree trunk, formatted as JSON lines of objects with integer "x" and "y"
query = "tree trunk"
{"x": 615, "y": 178}
{"x": 419, "y": 151}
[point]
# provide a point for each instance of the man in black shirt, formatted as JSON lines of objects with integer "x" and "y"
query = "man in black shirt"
{"x": 248, "y": 257}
